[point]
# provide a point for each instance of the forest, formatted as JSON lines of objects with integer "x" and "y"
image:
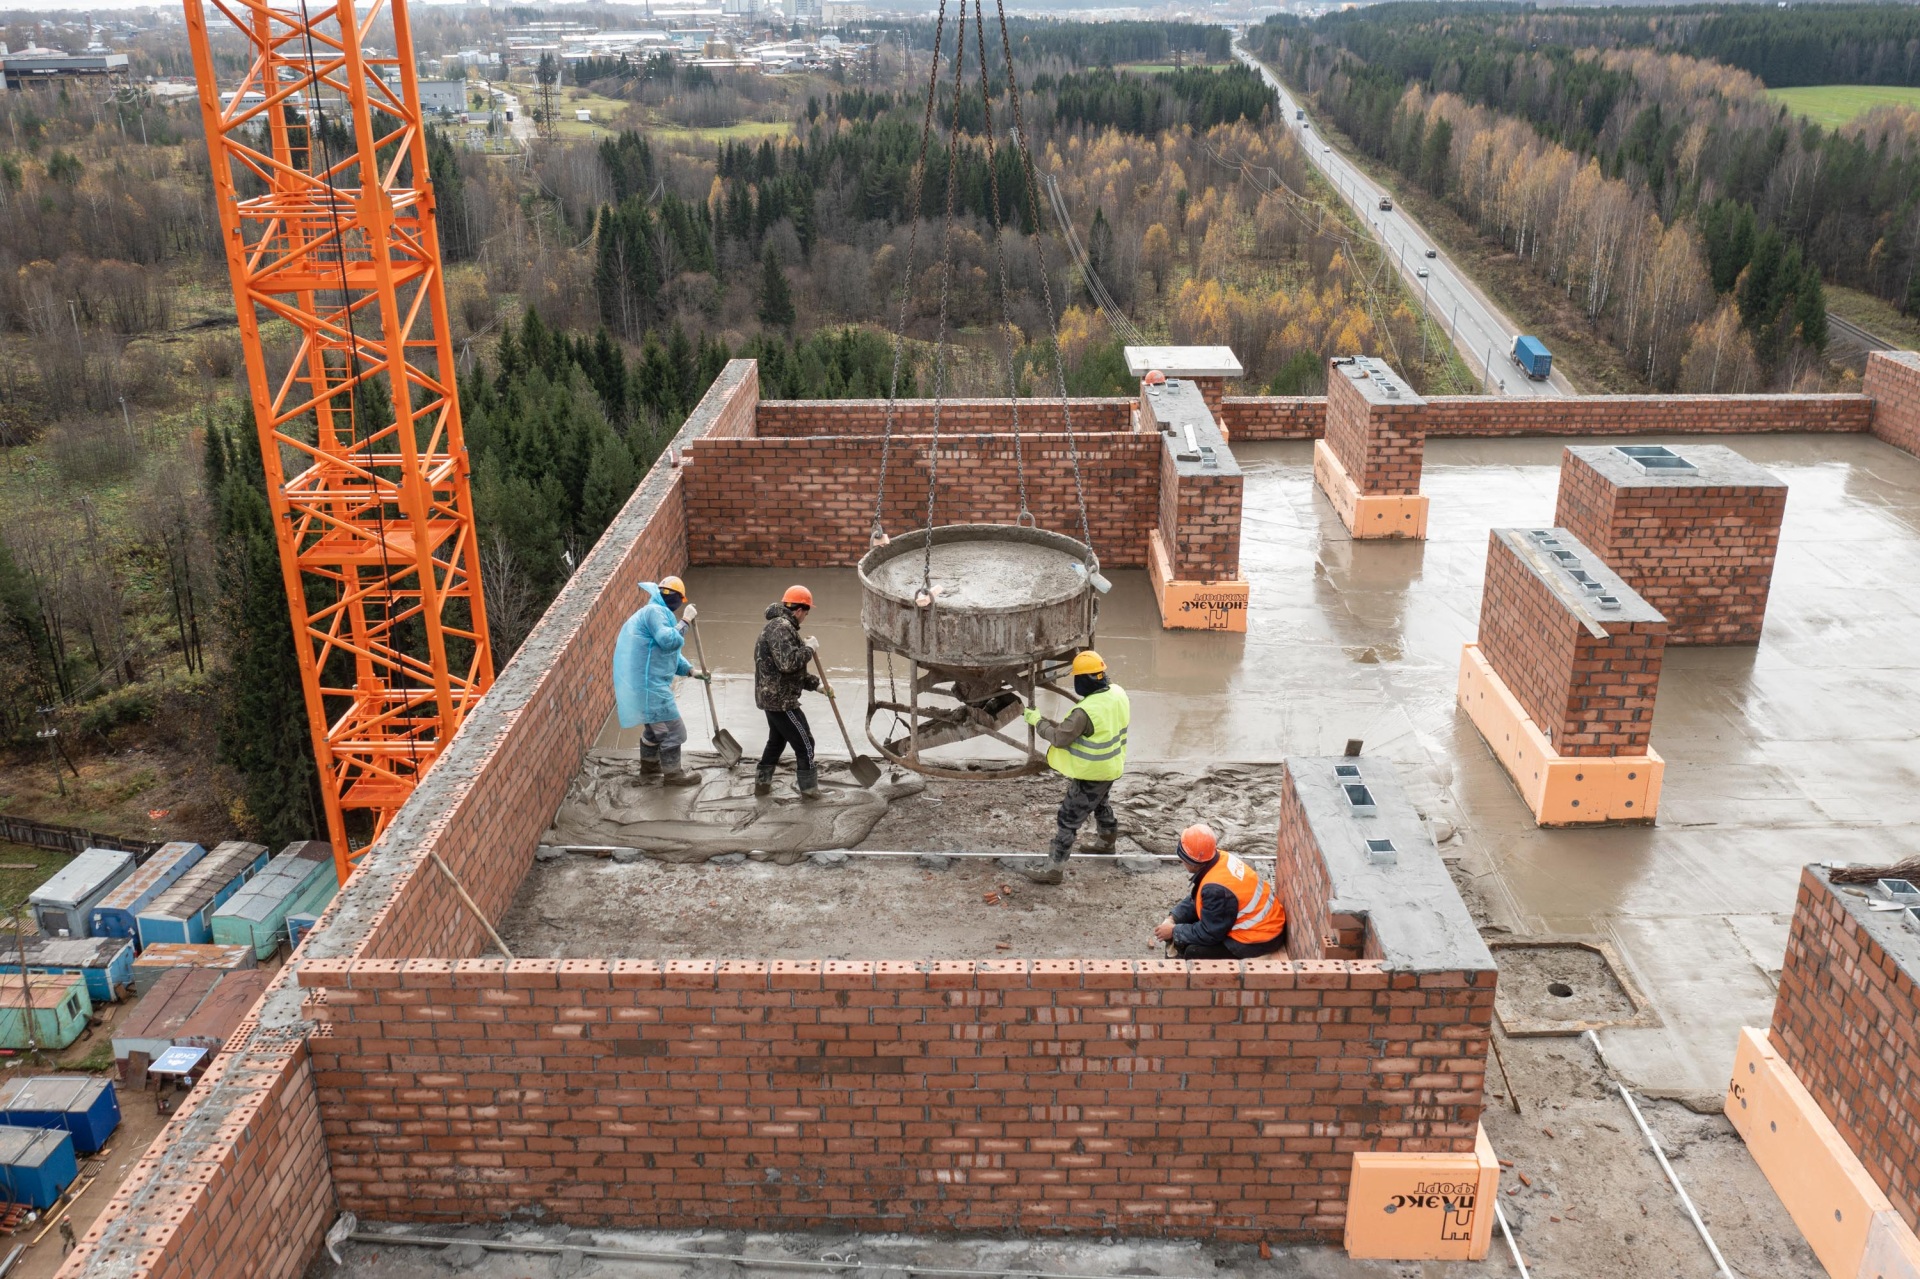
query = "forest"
{"x": 596, "y": 284}
{"x": 1695, "y": 221}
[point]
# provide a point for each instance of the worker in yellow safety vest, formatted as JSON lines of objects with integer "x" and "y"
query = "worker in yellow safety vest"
{"x": 1089, "y": 749}
{"x": 1232, "y": 913}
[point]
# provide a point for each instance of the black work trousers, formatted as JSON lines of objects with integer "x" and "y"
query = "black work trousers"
{"x": 1082, "y": 800}
{"x": 1233, "y": 950}
{"x": 788, "y": 728}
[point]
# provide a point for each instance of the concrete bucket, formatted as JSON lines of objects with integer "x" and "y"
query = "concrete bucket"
{"x": 962, "y": 633}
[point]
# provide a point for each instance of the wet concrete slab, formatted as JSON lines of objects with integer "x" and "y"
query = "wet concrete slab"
{"x": 1804, "y": 748}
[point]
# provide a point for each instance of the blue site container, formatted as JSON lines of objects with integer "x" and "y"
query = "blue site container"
{"x": 63, "y": 906}
{"x": 184, "y": 913}
{"x": 105, "y": 962}
{"x": 36, "y": 1165}
{"x": 1531, "y": 354}
{"x": 256, "y": 915}
{"x": 299, "y": 925}
{"x": 87, "y": 1109}
{"x": 118, "y": 912}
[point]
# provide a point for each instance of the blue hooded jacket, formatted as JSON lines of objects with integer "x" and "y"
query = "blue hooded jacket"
{"x": 646, "y": 658}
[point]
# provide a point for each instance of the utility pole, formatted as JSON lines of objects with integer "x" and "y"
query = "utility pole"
{"x": 51, "y": 736}
{"x": 26, "y": 981}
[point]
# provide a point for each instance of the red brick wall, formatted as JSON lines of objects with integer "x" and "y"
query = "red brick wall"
{"x": 1893, "y": 386}
{"x": 809, "y": 502}
{"x": 1703, "y": 555}
{"x": 1346, "y": 424}
{"x": 1199, "y": 520}
{"x": 1262, "y": 417}
{"x": 1210, "y": 1100}
{"x": 236, "y": 1184}
{"x": 1273, "y": 417}
{"x": 1474, "y": 415}
{"x": 1589, "y": 696}
{"x": 1847, "y": 1020}
{"x": 1103, "y": 416}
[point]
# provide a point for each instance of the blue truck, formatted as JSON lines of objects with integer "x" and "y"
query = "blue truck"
{"x": 1531, "y": 354}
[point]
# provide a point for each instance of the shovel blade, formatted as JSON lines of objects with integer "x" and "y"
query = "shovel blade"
{"x": 864, "y": 770}
{"x": 728, "y": 749}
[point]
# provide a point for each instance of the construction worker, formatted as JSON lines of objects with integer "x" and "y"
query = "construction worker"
{"x": 1232, "y": 914}
{"x": 780, "y": 674}
{"x": 646, "y": 660}
{"x": 1089, "y": 749}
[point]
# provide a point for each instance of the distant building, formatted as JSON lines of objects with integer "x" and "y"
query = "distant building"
{"x": 46, "y": 66}
{"x": 447, "y": 97}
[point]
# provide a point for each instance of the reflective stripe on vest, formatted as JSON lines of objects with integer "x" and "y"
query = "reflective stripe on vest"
{"x": 1101, "y": 755}
{"x": 1261, "y": 917}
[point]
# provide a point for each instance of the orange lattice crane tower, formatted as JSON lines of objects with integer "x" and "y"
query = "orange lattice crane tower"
{"x": 320, "y": 175}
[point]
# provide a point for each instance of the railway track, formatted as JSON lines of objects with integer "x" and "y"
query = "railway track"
{"x": 1857, "y": 335}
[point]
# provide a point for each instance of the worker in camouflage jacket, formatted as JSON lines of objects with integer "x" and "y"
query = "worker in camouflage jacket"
{"x": 780, "y": 675}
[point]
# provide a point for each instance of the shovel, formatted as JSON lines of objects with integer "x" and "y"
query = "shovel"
{"x": 723, "y": 743}
{"x": 864, "y": 770}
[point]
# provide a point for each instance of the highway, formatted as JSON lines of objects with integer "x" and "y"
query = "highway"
{"x": 1483, "y": 335}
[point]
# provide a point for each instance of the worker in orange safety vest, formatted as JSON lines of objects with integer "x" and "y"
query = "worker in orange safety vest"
{"x": 1232, "y": 913}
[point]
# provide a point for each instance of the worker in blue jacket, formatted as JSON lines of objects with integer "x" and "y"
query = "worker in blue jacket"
{"x": 646, "y": 659}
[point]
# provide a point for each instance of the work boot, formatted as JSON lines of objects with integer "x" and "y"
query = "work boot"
{"x": 763, "y": 780}
{"x": 649, "y": 767}
{"x": 1050, "y": 871}
{"x": 680, "y": 777}
{"x": 808, "y": 779}
{"x": 1103, "y": 841}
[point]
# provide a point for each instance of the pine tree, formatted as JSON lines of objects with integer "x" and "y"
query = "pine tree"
{"x": 776, "y": 299}
{"x": 263, "y": 711}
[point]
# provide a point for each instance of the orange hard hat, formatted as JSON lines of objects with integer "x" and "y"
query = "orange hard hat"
{"x": 1155, "y": 377}
{"x": 799, "y": 595}
{"x": 1198, "y": 843}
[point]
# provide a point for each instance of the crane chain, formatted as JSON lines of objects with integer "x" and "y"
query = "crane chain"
{"x": 1025, "y": 518}
{"x": 1046, "y": 281}
{"x": 946, "y": 291}
{"x": 916, "y": 190}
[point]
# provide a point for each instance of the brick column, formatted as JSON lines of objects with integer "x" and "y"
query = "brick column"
{"x": 1562, "y": 680}
{"x": 1893, "y": 384}
{"x": 1697, "y": 541}
{"x": 1194, "y": 553}
{"x": 1368, "y": 462}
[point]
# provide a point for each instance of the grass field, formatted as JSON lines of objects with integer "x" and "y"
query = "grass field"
{"x": 745, "y": 131}
{"x": 1832, "y": 105}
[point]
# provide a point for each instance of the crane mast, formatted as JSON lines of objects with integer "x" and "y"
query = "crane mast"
{"x": 320, "y": 176}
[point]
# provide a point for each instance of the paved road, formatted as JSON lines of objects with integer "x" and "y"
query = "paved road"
{"x": 1481, "y": 332}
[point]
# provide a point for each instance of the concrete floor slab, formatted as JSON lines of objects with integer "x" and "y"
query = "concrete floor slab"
{"x": 1804, "y": 748}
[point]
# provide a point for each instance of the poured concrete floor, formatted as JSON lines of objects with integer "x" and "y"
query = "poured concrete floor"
{"x": 1806, "y": 748}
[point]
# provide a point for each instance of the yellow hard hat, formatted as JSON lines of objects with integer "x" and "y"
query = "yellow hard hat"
{"x": 673, "y": 584}
{"x": 1088, "y": 662}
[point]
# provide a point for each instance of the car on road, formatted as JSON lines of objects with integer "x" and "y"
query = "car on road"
{"x": 1327, "y": 150}
{"x": 1422, "y": 273}
{"x": 1386, "y": 204}
{"x": 1432, "y": 253}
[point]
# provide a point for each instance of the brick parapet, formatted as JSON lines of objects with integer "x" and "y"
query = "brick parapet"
{"x": 1273, "y": 417}
{"x": 802, "y": 502}
{"x": 1262, "y": 417}
{"x": 1038, "y": 1096}
{"x": 1847, "y": 1021}
{"x": 1892, "y": 386}
{"x": 1590, "y": 695}
{"x": 1105, "y": 415}
{"x": 1700, "y": 550}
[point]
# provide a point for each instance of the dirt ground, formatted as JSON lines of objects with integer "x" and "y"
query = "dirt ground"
{"x": 146, "y": 786}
